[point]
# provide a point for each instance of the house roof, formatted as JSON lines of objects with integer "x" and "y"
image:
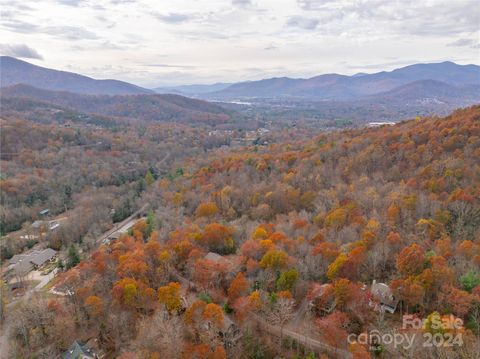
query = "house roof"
{"x": 78, "y": 350}
{"x": 23, "y": 263}
{"x": 22, "y": 268}
{"x": 41, "y": 257}
{"x": 383, "y": 294}
{"x": 214, "y": 257}
{"x": 53, "y": 225}
{"x": 17, "y": 258}
{"x": 38, "y": 224}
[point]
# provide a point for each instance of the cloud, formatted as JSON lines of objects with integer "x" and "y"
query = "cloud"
{"x": 171, "y": 66}
{"x": 270, "y": 47}
{"x": 313, "y": 4}
{"x": 71, "y": 2}
{"x": 70, "y": 32}
{"x": 465, "y": 43}
{"x": 406, "y": 17}
{"x": 242, "y": 3}
{"x": 62, "y": 32}
{"x": 19, "y": 26}
{"x": 302, "y": 22}
{"x": 173, "y": 18}
{"x": 20, "y": 50}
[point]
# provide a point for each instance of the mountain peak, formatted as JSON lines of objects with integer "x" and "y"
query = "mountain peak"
{"x": 15, "y": 71}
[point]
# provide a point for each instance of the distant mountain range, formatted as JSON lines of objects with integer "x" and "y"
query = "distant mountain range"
{"x": 420, "y": 89}
{"x": 14, "y": 72}
{"x": 187, "y": 90}
{"x": 341, "y": 87}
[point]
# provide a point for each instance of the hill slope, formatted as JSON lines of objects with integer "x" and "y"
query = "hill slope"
{"x": 315, "y": 220}
{"x": 14, "y": 71}
{"x": 165, "y": 108}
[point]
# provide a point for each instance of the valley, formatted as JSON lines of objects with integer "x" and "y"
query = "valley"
{"x": 241, "y": 179}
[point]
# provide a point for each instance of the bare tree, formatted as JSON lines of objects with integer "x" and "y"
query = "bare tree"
{"x": 280, "y": 313}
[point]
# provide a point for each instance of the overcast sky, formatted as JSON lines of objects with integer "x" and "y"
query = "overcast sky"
{"x": 168, "y": 42}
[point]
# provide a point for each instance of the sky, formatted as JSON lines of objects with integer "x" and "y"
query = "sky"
{"x": 172, "y": 42}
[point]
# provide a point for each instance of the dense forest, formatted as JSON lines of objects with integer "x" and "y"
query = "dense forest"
{"x": 278, "y": 239}
{"x": 94, "y": 175}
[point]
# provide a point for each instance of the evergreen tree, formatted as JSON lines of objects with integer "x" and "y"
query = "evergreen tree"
{"x": 73, "y": 257}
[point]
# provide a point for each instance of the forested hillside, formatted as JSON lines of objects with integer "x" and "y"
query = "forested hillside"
{"x": 297, "y": 233}
{"x": 153, "y": 108}
{"x": 79, "y": 167}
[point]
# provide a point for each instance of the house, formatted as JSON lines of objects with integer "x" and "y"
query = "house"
{"x": 383, "y": 297}
{"x": 79, "y": 351}
{"x": 215, "y": 257}
{"x": 22, "y": 264}
{"x": 38, "y": 224}
{"x": 321, "y": 298}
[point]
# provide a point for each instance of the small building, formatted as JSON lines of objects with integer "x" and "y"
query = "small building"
{"x": 44, "y": 212}
{"x": 383, "y": 297}
{"x": 79, "y": 351}
{"x": 38, "y": 224}
{"x": 53, "y": 225}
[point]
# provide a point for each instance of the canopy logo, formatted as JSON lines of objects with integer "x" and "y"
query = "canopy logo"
{"x": 433, "y": 331}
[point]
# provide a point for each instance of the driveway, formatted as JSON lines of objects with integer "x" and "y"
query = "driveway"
{"x": 44, "y": 279}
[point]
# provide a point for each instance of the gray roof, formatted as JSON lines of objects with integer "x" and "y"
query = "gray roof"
{"x": 17, "y": 258}
{"x": 383, "y": 294}
{"x": 38, "y": 224}
{"x": 22, "y": 268}
{"x": 41, "y": 257}
{"x": 78, "y": 350}
{"x": 23, "y": 263}
{"x": 214, "y": 257}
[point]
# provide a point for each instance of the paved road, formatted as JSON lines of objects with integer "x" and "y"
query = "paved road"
{"x": 313, "y": 344}
{"x": 119, "y": 226}
{"x": 308, "y": 342}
